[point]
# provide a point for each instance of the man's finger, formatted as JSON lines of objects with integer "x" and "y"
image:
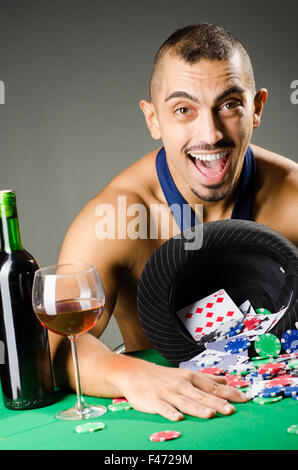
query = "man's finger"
{"x": 195, "y": 402}
{"x": 220, "y": 390}
{"x": 217, "y": 378}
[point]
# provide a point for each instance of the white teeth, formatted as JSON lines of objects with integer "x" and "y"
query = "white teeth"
{"x": 210, "y": 157}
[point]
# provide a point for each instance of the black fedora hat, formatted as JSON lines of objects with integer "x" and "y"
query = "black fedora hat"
{"x": 247, "y": 259}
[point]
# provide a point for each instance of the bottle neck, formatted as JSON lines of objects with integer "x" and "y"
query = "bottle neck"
{"x": 10, "y": 238}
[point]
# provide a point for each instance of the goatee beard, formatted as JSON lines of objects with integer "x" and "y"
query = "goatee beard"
{"x": 214, "y": 193}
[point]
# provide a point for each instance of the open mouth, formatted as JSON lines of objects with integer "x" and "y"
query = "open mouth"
{"x": 211, "y": 165}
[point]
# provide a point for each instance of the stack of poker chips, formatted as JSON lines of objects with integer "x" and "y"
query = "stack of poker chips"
{"x": 267, "y": 378}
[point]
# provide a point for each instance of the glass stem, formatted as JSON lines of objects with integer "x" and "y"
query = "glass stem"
{"x": 80, "y": 404}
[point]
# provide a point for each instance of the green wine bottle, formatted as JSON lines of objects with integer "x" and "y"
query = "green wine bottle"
{"x": 25, "y": 369}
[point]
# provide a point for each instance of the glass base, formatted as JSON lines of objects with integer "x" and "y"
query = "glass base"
{"x": 87, "y": 412}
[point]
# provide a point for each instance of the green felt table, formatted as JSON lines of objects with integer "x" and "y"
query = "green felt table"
{"x": 252, "y": 426}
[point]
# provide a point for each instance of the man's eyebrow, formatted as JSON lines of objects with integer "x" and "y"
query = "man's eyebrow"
{"x": 229, "y": 91}
{"x": 181, "y": 94}
{"x": 184, "y": 94}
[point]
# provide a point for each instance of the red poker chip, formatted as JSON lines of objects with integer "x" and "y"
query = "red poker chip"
{"x": 212, "y": 370}
{"x": 164, "y": 436}
{"x": 233, "y": 378}
{"x": 251, "y": 323}
{"x": 279, "y": 381}
{"x": 239, "y": 384}
{"x": 119, "y": 400}
{"x": 237, "y": 381}
{"x": 271, "y": 367}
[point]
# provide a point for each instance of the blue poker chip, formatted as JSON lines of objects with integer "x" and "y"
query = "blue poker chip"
{"x": 295, "y": 397}
{"x": 236, "y": 330}
{"x": 289, "y": 341}
{"x": 258, "y": 377}
{"x": 291, "y": 391}
{"x": 272, "y": 392}
{"x": 237, "y": 345}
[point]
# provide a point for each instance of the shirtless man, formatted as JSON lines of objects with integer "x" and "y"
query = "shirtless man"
{"x": 203, "y": 102}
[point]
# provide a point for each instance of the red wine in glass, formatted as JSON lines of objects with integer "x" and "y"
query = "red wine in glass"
{"x": 73, "y": 316}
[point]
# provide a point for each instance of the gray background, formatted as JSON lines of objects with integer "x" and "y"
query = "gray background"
{"x": 75, "y": 72}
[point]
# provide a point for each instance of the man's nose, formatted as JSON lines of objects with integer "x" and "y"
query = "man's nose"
{"x": 208, "y": 128}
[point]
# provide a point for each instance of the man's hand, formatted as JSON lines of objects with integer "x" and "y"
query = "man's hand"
{"x": 171, "y": 392}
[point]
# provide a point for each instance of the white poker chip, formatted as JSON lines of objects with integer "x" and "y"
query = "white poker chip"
{"x": 238, "y": 368}
{"x": 89, "y": 427}
{"x": 209, "y": 358}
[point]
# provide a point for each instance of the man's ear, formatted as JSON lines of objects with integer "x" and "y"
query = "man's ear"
{"x": 259, "y": 101}
{"x": 151, "y": 119}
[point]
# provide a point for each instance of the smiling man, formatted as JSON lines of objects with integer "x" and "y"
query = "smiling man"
{"x": 204, "y": 107}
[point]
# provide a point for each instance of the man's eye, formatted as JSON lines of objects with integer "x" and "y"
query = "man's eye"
{"x": 183, "y": 111}
{"x": 231, "y": 105}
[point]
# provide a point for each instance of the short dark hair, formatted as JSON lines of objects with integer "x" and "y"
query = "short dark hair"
{"x": 201, "y": 41}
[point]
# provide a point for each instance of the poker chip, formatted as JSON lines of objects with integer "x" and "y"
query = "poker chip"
{"x": 263, "y": 311}
{"x": 266, "y": 401}
{"x": 236, "y": 330}
{"x": 241, "y": 369}
{"x": 208, "y": 358}
{"x": 89, "y": 427}
{"x": 293, "y": 429}
{"x": 291, "y": 391}
{"x": 251, "y": 323}
{"x": 261, "y": 358}
{"x": 258, "y": 377}
{"x": 285, "y": 381}
{"x": 274, "y": 368}
{"x": 119, "y": 406}
{"x": 295, "y": 397}
{"x": 267, "y": 344}
{"x": 224, "y": 328}
{"x": 272, "y": 391}
{"x": 119, "y": 400}
{"x": 164, "y": 436}
{"x": 236, "y": 381}
{"x": 212, "y": 370}
{"x": 263, "y": 361}
{"x": 237, "y": 345}
{"x": 293, "y": 364}
{"x": 289, "y": 341}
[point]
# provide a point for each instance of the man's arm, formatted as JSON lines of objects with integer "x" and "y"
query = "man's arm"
{"x": 148, "y": 387}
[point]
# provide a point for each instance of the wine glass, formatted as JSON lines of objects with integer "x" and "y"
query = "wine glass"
{"x": 68, "y": 299}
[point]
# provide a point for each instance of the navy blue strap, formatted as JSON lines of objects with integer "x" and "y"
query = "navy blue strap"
{"x": 244, "y": 194}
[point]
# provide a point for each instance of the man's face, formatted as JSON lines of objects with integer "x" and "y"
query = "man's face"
{"x": 205, "y": 116}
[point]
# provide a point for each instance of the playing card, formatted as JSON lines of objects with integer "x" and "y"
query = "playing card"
{"x": 280, "y": 314}
{"x": 246, "y": 308}
{"x": 207, "y": 314}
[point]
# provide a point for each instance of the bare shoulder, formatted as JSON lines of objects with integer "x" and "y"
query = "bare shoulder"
{"x": 277, "y": 192}
{"x": 139, "y": 180}
{"x": 278, "y": 164}
{"x": 98, "y": 228}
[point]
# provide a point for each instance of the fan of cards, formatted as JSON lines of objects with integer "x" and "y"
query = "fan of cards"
{"x": 217, "y": 316}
